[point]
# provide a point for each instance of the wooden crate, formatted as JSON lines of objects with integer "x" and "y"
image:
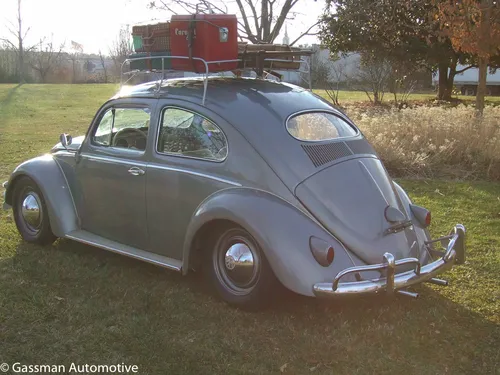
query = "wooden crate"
{"x": 151, "y": 38}
{"x": 248, "y": 53}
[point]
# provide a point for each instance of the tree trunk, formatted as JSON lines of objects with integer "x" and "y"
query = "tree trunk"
{"x": 446, "y": 80}
{"x": 21, "y": 64}
{"x": 443, "y": 82}
{"x": 20, "y": 40}
{"x": 481, "y": 87}
{"x": 449, "y": 83}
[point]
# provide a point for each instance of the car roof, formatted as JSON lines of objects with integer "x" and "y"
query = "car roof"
{"x": 226, "y": 95}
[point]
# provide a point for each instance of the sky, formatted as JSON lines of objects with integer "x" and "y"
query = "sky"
{"x": 95, "y": 24}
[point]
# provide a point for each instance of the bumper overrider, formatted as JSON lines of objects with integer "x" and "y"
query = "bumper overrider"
{"x": 392, "y": 282}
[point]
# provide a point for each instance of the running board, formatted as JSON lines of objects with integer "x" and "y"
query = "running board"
{"x": 119, "y": 248}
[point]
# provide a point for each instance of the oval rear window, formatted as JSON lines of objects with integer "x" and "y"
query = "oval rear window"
{"x": 318, "y": 126}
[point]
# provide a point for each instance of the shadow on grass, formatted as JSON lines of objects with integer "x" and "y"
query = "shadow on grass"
{"x": 9, "y": 95}
{"x": 74, "y": 303}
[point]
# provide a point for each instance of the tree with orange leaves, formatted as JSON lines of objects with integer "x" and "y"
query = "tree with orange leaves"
{"x": 473, "y": 26}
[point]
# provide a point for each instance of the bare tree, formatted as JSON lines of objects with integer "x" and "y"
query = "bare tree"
{"x": 373, "y": 77}
{"x": 45, "y": 58}
{"x": 121, "y": 49}
{"x": 260, "y": 21}
{"x": 338, "y": 76}
{"x": 18, "y": 43}
{"x": 104, "y": 69}
{"x": 319, "y": 69}
{"x": 402, "y": 83}
{"x": 8, "y": 64}
{"x": 75, "y": 56}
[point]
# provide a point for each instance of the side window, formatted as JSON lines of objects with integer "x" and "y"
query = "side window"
{"x": 188, "y": 134}
{"x": 123, "y": 128}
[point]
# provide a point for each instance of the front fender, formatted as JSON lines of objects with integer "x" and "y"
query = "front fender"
{"x": 282, "y": 230}
{"x": 47, "y": 174}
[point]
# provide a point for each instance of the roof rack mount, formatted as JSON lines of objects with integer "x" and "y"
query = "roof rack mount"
{"x": 260, "y": 70}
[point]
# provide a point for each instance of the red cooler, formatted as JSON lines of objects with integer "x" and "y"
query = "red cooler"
{"x": 213, "y": 37}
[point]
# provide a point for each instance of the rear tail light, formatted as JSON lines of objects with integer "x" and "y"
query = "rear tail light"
{"x": 428, "y": 219}
{"x": 330, "y": 254}
{"x": 422, "y": 215}
{"x": 322, "y": 251}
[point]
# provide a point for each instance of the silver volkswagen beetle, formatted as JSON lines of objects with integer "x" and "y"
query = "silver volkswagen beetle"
{"x": 259, "y": 184}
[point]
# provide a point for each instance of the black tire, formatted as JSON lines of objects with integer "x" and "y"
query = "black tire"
{"x": 260, "y": 284}
{"x": 39, "y": 232}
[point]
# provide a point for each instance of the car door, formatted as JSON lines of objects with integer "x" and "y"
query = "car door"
{"x": 187, "y": 165}
{"x": 111, "y": 173}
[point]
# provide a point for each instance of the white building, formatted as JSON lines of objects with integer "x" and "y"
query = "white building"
{"x": 467, "y": 81}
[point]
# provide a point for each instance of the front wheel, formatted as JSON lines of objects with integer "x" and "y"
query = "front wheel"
{"x": 239, "y": 271}
{"x": 30, "y": 213}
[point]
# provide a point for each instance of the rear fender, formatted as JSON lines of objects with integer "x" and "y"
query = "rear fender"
{"x": 282, "y": 230}
{"x": 47, "y": 174}
{"x": 421, "y": 232}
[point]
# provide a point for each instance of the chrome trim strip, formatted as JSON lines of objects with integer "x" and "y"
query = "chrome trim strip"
{"x": 123, "y": 252}
{"x": 64, "y": 153}
{"x": 391, "y": 282}
{"x": 174, "y": 169}
{"x": 156, "y": 166}
{"x": 112, "y": 159}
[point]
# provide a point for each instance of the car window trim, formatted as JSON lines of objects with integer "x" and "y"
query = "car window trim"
{"x": 118, "y": 106}
{"x": 113, "y": 159}
{"x": 350, "y": 123}
{"x": 160, "y": 120}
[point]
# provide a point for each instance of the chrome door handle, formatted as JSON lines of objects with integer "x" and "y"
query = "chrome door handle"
{"x": 135, "y": 171}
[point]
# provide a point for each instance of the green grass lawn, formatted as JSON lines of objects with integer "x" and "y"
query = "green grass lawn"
{"x": 72, "y": 303}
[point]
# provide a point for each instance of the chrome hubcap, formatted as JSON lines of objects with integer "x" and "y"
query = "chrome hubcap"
{"x": 237, "y": 264}
{"x": 31, "y": 211}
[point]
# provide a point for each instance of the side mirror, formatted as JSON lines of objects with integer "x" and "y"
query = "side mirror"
{"x": 65, "y": 139}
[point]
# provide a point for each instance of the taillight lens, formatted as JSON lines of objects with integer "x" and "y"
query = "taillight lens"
{"x": 330, "y": 255}
{"x": 428, "y": 219}
{"x": 421, "y": 214}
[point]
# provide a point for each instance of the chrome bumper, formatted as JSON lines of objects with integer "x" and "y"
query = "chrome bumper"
{"x": 392, "y": 282}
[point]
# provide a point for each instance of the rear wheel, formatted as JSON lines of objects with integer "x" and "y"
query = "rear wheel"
{"x": 30, "y": 213}
{"x": 239, "y": 271}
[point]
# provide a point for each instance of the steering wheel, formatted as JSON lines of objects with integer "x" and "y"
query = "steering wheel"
{"x": 119, "y": 135}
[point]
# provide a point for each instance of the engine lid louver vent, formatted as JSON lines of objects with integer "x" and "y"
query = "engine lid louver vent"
{"x": 324, "y": 153}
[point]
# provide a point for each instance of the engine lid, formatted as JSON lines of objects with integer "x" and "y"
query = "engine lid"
{"x": 356, "y": 202}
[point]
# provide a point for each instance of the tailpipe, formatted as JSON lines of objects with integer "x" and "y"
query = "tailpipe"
{"x": 436, "y": 281}
{"x": 407, "y": 293}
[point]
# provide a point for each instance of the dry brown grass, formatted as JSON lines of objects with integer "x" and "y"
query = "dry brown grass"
{"x": 427, "y": 141}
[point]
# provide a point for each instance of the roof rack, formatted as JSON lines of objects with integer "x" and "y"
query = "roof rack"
{"x": 261, "y": 58}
